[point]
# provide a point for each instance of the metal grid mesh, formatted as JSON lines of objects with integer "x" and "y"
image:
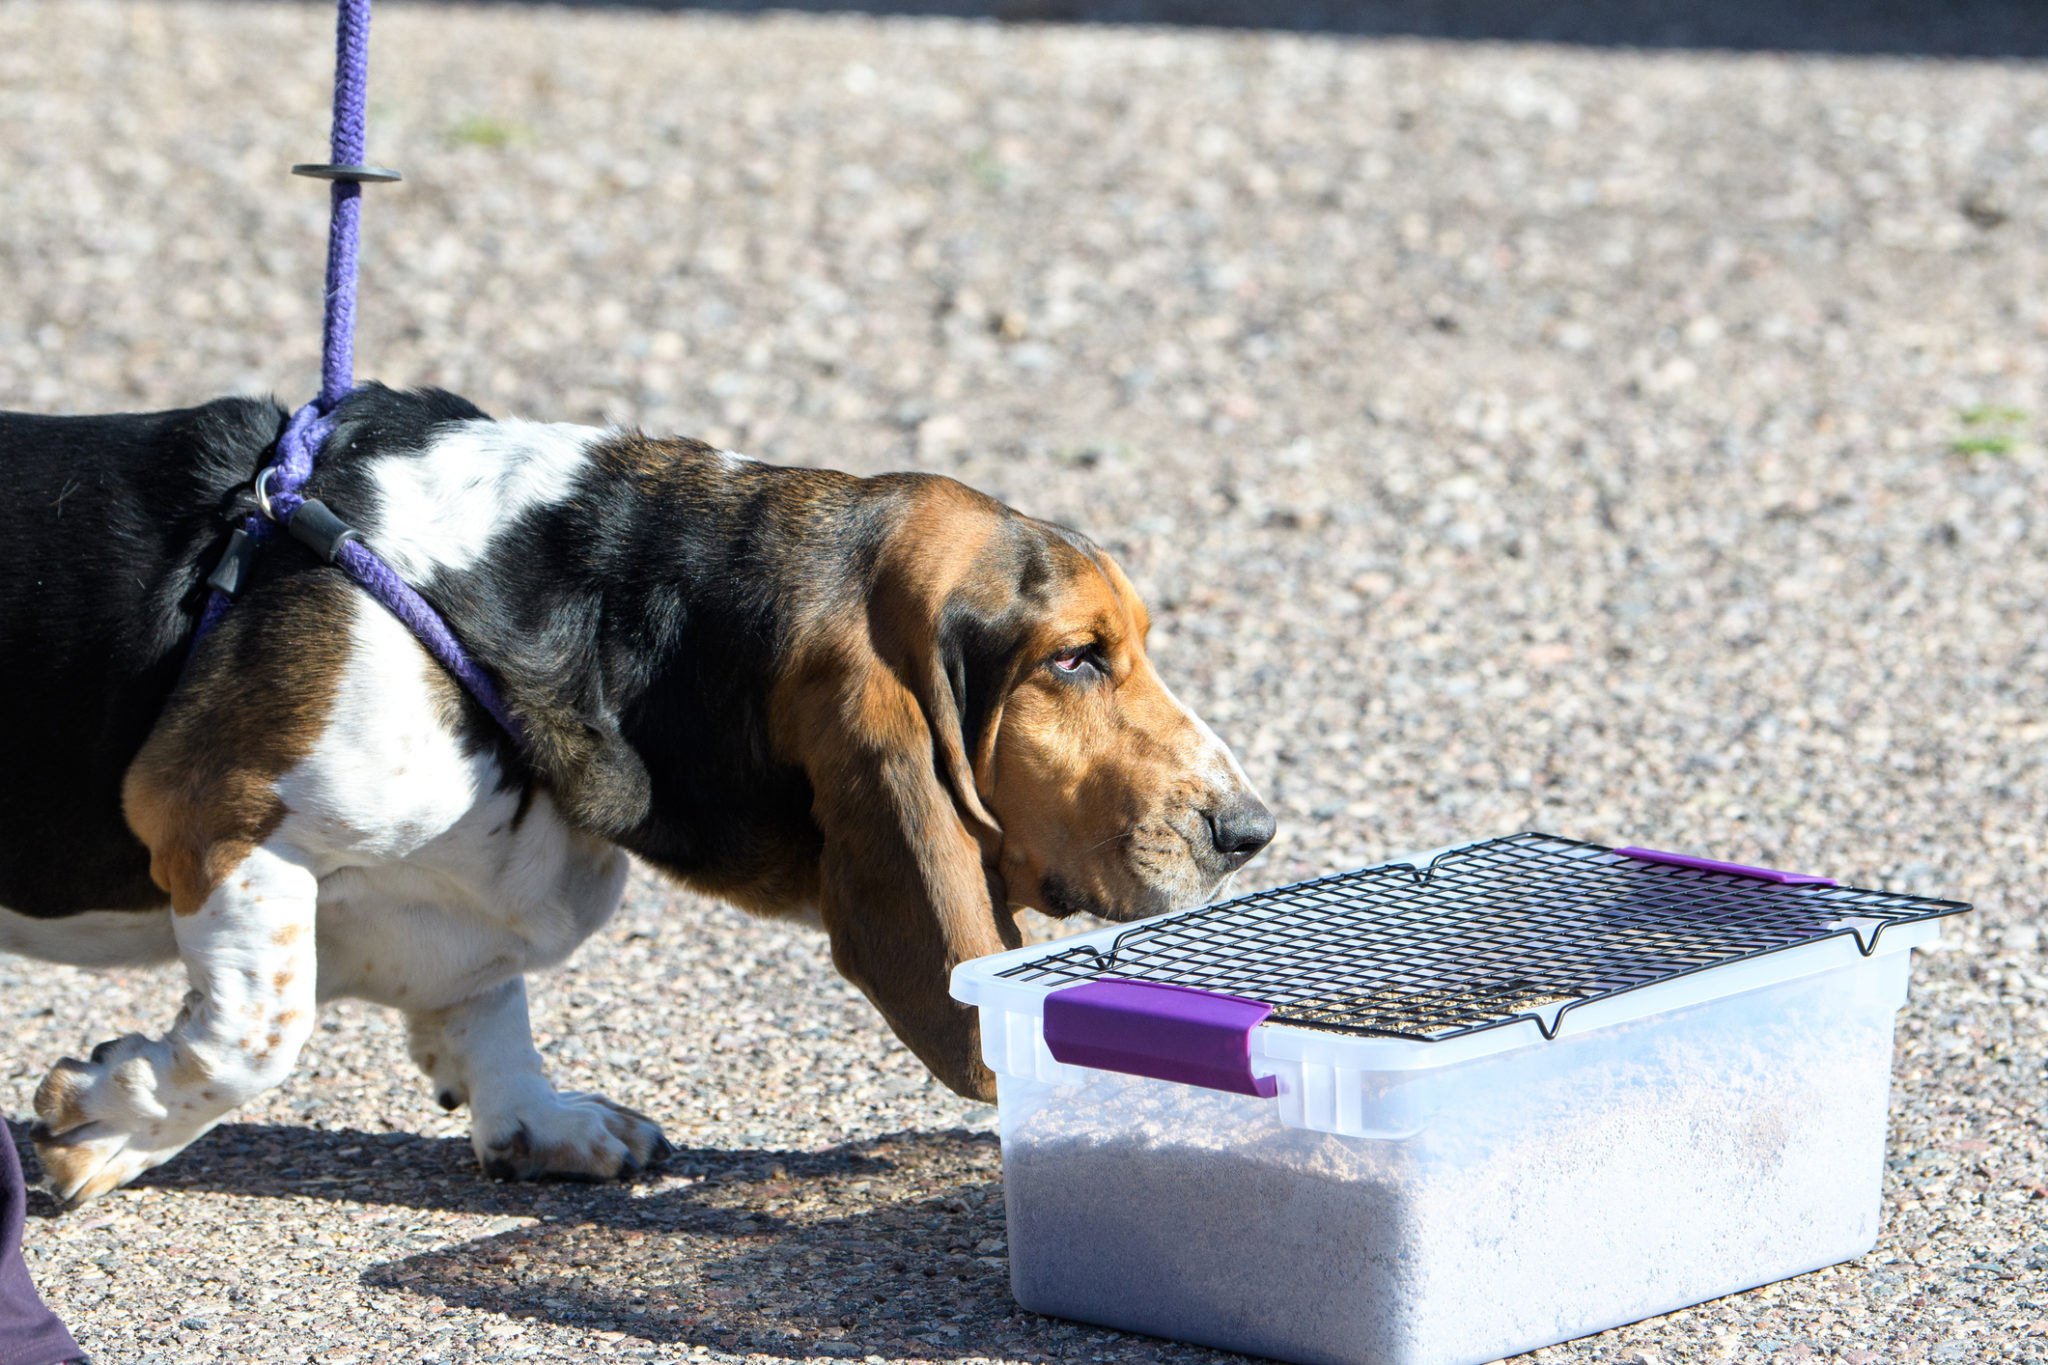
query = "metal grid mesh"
{"x": 1523, "y": 927}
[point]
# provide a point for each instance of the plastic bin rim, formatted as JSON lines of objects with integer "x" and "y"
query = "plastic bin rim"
{"x": 979, "y": 982}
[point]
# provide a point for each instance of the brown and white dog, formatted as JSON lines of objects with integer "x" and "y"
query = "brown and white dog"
{"x": 890, "y": 705}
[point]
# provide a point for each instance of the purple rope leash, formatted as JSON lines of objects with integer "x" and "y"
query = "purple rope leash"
{"x": 351, "y": 107}
{"x": 278, "y": 487}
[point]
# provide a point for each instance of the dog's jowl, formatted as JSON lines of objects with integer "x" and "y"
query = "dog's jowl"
{"x": 890, "y": 706}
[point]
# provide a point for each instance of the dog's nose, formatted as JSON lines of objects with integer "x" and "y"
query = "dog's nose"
{"x": 1240, "y": 827}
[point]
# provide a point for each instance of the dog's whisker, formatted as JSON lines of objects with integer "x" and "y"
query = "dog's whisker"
{"x": 1229, "y": 879}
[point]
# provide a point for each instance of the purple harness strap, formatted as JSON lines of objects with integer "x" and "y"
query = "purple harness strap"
{"x": 278, "y": 487}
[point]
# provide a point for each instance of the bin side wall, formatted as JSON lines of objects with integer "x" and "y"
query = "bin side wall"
{"x": 1552, "y": 1192}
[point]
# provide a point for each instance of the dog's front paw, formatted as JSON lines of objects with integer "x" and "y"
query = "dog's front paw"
{"x": 570, "y": 1137}
{"x": 101, "y": 1123}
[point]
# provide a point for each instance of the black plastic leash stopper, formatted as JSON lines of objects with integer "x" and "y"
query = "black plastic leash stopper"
{"x": 358, "y": 173}
{"x": 233, "y": 570}
{"x": 316, "y": 527}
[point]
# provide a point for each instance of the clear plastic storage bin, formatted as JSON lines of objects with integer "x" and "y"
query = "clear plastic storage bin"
{"x": 1625, "y": 1086}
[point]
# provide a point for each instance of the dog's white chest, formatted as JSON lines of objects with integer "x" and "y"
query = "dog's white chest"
{"x": 436, "y": 881}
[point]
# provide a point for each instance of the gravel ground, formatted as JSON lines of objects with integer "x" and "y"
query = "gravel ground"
{"x": 1643, "y": 447}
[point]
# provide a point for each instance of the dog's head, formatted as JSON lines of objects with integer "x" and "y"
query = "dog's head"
{"x": 1110, "y": 796}
{"x": 990, "y": 734}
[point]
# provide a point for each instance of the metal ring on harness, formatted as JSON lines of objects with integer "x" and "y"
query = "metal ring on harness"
{"x": 263, "y": 493}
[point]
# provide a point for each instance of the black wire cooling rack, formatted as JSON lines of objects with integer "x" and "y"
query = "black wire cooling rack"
{"x": 1525, "y": 927}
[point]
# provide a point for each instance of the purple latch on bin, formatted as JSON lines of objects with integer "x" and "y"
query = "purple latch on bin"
{"x": 1149, "y": 1028}
{"x": 1651, "y": 855}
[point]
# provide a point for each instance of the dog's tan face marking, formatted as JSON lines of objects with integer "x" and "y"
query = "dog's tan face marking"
{"x": 1105, "y": 785}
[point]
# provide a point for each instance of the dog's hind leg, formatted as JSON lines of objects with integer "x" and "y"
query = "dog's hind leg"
{"x": 480, "y": 1053}
{"x": 248, "y": 949}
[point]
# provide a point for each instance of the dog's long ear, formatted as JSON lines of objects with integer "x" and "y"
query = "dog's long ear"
{"x": 605, "y": 787}
{"x": 977, "y": 654}
{"x": 574, "y": 739}
{"x": 889, "y": 715}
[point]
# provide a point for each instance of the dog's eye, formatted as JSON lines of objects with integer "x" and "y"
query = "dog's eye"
{"x": 1080, "y": 661}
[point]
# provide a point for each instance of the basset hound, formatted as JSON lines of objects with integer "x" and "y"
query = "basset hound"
{"x": 891, "y": 706}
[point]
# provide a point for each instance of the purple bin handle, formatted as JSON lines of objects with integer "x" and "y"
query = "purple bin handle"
{"x": 1150, "y": 1028}
{"x": 1651, "y": 855}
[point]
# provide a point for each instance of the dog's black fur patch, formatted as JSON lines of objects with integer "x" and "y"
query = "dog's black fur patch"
{"x": 108, "y": 528}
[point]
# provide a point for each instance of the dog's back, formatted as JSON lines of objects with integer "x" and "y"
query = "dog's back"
{"x": 107, "y": 529}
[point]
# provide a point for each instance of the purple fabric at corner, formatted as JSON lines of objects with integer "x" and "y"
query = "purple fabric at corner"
{"x": 1651, "y": 855}
{"x": 1150, "y": 1028}
{"x": 30, "y": 1333}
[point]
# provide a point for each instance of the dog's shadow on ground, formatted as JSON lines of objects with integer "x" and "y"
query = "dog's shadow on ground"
{"x": 892, "y": 1246}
